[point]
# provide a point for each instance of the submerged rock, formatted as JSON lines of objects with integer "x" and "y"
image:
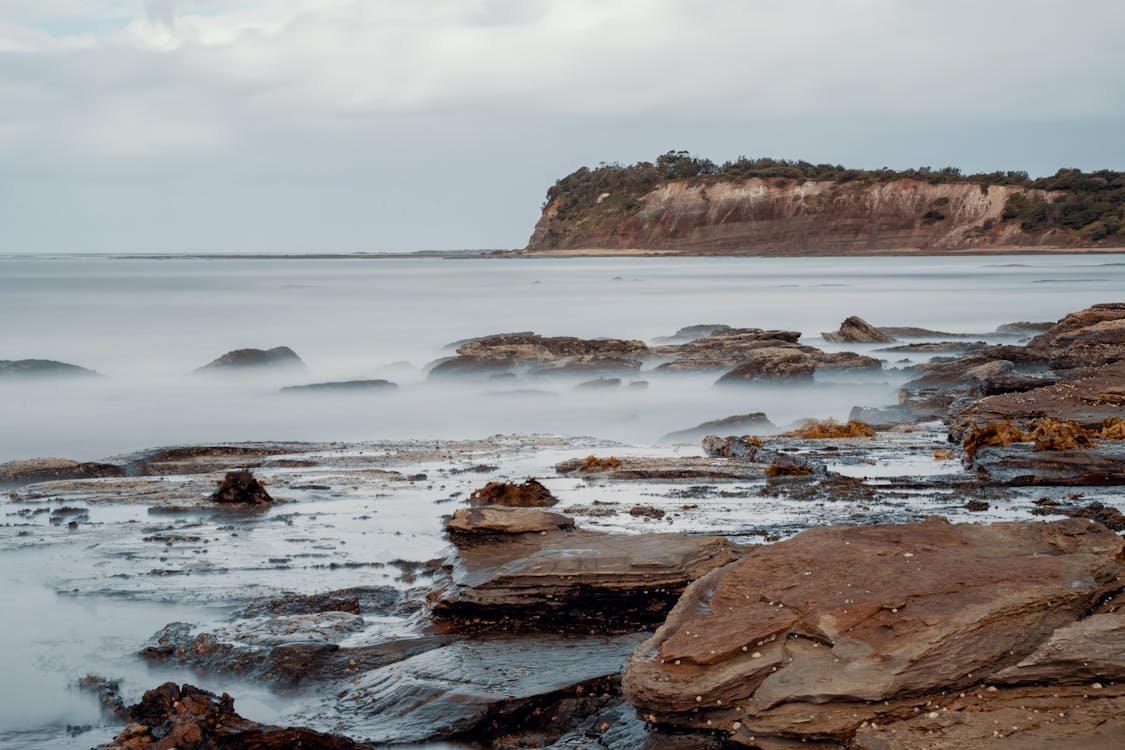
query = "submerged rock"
{"x": 529, "y": 494}
{"x": 342, "y": 386}
{"x": 241, "y": 487}
{"x": 817, "y": 636}
{"x": 598, "y": 384}
{"x": 857, "y": 330}
{"x": 542, "y": 355}
{"x": 41, "y": 368}
{"x": 739, "y": 424}
{"x": 187, "y": 718}
{"x": 255, "y": 359}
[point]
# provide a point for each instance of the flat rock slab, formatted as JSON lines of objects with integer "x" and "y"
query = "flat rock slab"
{"x": 473, "y": 688}
{"x": 660, "y": 467}
{"x": 1101, "y": 463}
{"x": 580, "y": 579}
{"x": 799, "y": 638}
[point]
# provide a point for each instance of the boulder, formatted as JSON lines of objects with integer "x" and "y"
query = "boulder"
{"x": 579, "y": 580}
{"x": 951, "y": 384}
{"x": 280, "y": 357}
{"x": 857, "y": 330}
{"x": 342, "y": 386}
{"x": 542, "y": 355}
{"x": 529, "y": 494}
{"x": 772, "y": 364}
{"x": 817, "y": 636}
{"x": 187, "y": 718}
{"x": 739, "y": 424}
{"x": 599, "y": 384}
{"x": 41, "y": 368}
{"x": 241, "y": 487}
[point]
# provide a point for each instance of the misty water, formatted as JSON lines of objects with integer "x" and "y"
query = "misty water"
{"x": 147, "y": 324}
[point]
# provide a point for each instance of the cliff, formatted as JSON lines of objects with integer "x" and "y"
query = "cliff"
{"x": 722, "y": 214}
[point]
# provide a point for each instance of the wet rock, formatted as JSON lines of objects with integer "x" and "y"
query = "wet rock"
{"x": 830, "y": 429}
{"x": 342, "y": 386}
{"x": 959, "y": 347}
{"x": 725, "y": 349}
{"x": 663, "y": 467}
{"x": 881, "y": 417}
{"x": 598, "y": 384}
{"x": 1090, "y": 337}
{"x": 949, "y": 385}
{"x": 1106, "y": 515}
{"x": 1025, "y": 327}
{"x": 187, "y": 718}
{"x": 487, "y": 689}
{"x": 469, "y": 525}
{"x": 241, "y": 487}
{"x": 580, "y": 580}
{"x": 41, "y": 368}
{"x": 809, "y": 638}
{"x": 646, "y": 511}
{"x": 108, "y": 693}
{"x": 1087, "y": 401}
{"x": 691, "y": 333}
{"x": 359, "y": 600}
{"x": 34, "y": 470}
{"x": 739, "y": 424}
{"x": 977, "y": 506}
{"x": 773, "y": 364}
{"x": 857, "y": 330}
{"x": 205, "y": 459}
{"x": 542, "y": 355}
{"x": 281, "y": 357}
{"x": 529, "y": 494}
{"x": 1021, "y": 464}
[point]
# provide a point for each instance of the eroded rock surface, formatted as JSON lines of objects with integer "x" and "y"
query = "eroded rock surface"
{"x": 809, "y": 638}
{"x": 857, "y": 330}
{"x": 52, "y": 469}
{"x": 542, "y": 355}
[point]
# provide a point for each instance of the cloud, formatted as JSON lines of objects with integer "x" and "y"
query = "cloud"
{"x": 502, "y": 93}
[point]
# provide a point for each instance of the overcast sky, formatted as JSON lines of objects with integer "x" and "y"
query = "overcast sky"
{"x": 368, "y": 125}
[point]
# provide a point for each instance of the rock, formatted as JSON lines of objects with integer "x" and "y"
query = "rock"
{"x": 646, "y": 511}
{"x": 204, "y": 459}
{"x": 724, "y": 349}
{"x": 959, "y": 347}
{"x": 1021, "y": 464}
{"x": 598, "y": 384}
{"x": 342, "y": 386}
{"x": 739, "y": 424}
{"x": 41, "y": 368}
{"x": 484, "y": 689}
{"x": 1025, "y": 327}
{"x": 1083, "y": 651}
{"x": 662, "y": 467}
{"x": 809, "y": 638}
{"x": 542, "y": 355}
{"x": 1090, "y": 337}
{"x": 108, "y": 693}
{"x": 471, "y": 524}
{"x": 530, "y": 494}
{"x": 241, "y": 487}
{"x": 1087, "y": 401}
{"x": 881, "y": 417}
{"x": 691, "y": 333}
{"x": 187, "y": 718}
{"x": 949, "y": 385}
{"x": 359, "y": 600}
{"x": 255, "y": 359}
{"x": 857, "y": 330}
{"x": 580, "y": 580}
{"x": 772, "y": 364}
{"x": 33, "y": 470}
{"x": 830, "y": 429}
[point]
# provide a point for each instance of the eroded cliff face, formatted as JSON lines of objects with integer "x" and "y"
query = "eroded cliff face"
{"x": 788, "y": 216}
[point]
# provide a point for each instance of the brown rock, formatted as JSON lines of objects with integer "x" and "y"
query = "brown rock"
{"x": 541, "y": 354}
{"x": 241, "y": 487}
{"x": 51, "y": 469}
{"x": 772, "y": 364}
{"x": 857, "y": 330}
{"x": 739, "y": 424}
{"x": 187, "y": 718}
{"x": 491, "y": 520}
{"x": 530, "y": 494}
{"x": 1090, "y": 337}
{"x": 807, "y": 638}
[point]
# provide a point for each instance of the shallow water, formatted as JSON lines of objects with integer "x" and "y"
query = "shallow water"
{"x": 147, "y": 323}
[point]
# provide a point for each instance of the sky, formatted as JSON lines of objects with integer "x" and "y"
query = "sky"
{"x": 369, "y": 126}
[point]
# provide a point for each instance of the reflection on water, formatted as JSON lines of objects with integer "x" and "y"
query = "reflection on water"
{"x": 146, "y": 324}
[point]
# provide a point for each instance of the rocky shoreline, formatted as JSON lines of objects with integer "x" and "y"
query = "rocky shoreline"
{"x": 941, "y": 572}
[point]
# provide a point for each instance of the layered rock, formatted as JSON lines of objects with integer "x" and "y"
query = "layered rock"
{"x": 857, "y": 330}
{"x": 774, "y": 364}
{"x": 542, "y": 355}
{"x": 1090, "y": 337}
{"x": 28, "y": 471}
{"x": 837, "y": 628}
{"x": 739, "y": 424}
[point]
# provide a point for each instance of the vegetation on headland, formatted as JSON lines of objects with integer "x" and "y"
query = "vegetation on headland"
{"x": 1091, "y": 203}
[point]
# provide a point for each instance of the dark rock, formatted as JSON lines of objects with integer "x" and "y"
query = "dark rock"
{"x": 739, "y": 424}
{"x": 342, "y": 386}
{"x": 959, "y": 347}
{"x": 241, "y": 487}
{"x": 530, "y": 494}
{"x": 187, "y": 718}
{"x": 646, "y": 511}
{"x": 108, "y": 693}
{"x": 977, "y": 506}
{"x": 598, "y": 384}
{"x": 482, "y": 690}
{"x": 814, "y": 637}
{"x": 542, "y": 355}
{"x": 34, "y": 470}
{"x": 1021, "y": 464}
{"x": 1106, "y": 515}
{"x": 1025, "y": 327}
{"x": 203, "y": 459}
{"x": 857, "y": 330}
{"x": 255, "y": 359}
{"x": 41, "y": 368}
{"x": 691, "y": 333}
{"x": 359, "y": 600}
